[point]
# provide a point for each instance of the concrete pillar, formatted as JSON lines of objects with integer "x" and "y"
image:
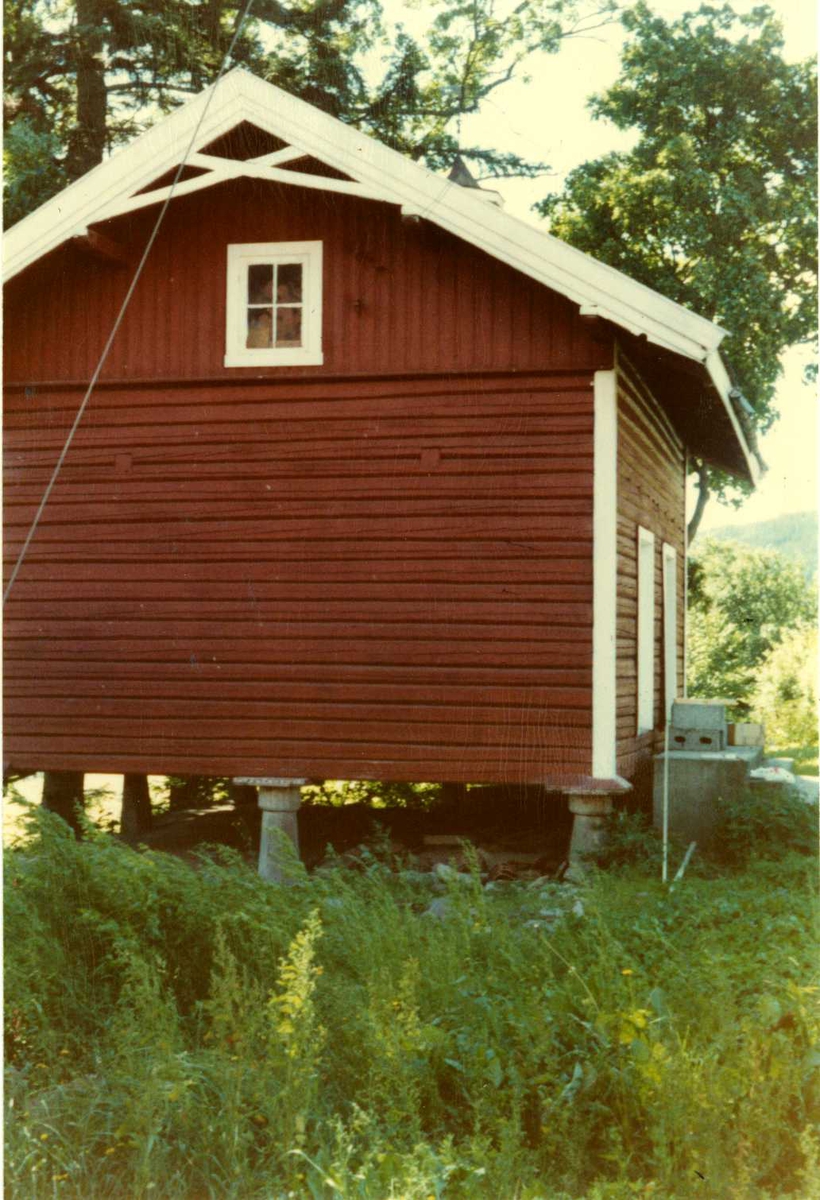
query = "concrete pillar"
{"x": 279, "y": 800}
{"x": 590, "y": 812}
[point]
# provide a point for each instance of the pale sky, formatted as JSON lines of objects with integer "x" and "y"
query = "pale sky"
{"x": 546, "y": 119}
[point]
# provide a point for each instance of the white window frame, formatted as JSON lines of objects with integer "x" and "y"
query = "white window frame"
{"x": 670, "y": 628}
{"x": 646, "y": 630}
{"x": 242, "y": 256}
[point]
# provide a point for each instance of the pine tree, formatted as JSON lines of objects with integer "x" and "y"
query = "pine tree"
{"x": 81, "y": 79}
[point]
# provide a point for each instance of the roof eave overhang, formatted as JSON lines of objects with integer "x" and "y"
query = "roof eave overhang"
{"x": 720, "y": 380}
{"x": 126, "y": 172}
{"x": 695, "y": 393}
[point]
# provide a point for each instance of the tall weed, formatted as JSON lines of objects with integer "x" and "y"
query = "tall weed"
{"x": 194, "y": 1032}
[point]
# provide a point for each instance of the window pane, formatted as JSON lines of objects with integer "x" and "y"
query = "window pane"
{"x": 288, "y": 327}
{"x": 260, "y": 328}
{"x": 289, "y": 283}
{"x": 260, "y": 283}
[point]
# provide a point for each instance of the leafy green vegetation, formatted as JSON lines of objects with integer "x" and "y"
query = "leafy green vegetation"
{"x": 743, "y": 604}
{"x": 179, "y": 1032}
{"x": 793, "y": 535}
{"x": 87, "y": 75}
{"x": 380, "y": 795}
{"x": 785, "y": 691}
{"x": 766, "y": 823}
{"x": 805, "y": 758}
{"x": 715, "y": 205}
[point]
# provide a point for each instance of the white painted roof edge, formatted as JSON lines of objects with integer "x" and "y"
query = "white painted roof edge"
{"x": 536, "y": 253}
{"x": 719, "y": 376}
{"x": 127, "y": 171}
{"x": 599, "y": 290}
{"x": 594, "y": 285}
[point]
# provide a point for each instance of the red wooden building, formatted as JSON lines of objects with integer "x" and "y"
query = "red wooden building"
{"x": 377, "y": 481}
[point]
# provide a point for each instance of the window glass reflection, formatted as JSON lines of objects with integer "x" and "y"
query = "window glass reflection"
{"x": 260, "y": 329}
{"x": 260, "y": 283}
{"x": 288, "y": 326}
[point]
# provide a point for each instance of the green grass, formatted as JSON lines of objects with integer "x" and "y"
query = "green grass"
{"x": 177, "y": 1032}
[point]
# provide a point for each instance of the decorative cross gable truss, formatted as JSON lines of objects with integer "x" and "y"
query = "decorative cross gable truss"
{"x": 220, "y": 170}
{"x": 364, "y": 168}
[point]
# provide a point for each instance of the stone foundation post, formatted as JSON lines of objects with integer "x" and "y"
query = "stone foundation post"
{"x": 590, "y": 811}
{"x": 279, "y": 800}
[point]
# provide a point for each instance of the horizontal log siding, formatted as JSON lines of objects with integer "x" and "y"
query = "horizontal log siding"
{"x": 388, "y": 580}
{"x": 399, "y": 297}
{"x": 652, "y": 494}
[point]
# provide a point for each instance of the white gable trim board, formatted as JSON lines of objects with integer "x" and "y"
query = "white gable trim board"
{"x": 220, "y": 170}
{"x": 378, "y": 173}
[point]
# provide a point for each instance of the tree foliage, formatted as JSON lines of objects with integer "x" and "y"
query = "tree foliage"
{"x": 742, "y": 604}
{"x": 84, "y": 76}
{"x": 715, "y": 204}
{"x": 785, "y": 692}
{"x": 795, "y": 535}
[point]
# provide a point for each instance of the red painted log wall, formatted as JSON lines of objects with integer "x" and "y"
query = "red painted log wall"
{"x": 651, "y": 493}
{"x": 380, "y": 568}
{"x": 395, "y": 586}
{"x": 399, "y": 297}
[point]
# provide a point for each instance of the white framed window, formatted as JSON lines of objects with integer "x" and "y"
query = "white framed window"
{"x": 646, "y": 630}
{"x": 670, "y": 628}
{"x": 274, "y": 305}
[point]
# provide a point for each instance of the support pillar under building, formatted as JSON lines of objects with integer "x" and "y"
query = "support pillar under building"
{"x": 590, "y": 818}
{"x": 279, "y": 800}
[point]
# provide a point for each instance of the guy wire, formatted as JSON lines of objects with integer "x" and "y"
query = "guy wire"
{"x": 124, "y": 306}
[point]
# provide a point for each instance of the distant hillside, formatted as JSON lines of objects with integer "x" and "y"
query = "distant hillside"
{"x": 794, "y": 535}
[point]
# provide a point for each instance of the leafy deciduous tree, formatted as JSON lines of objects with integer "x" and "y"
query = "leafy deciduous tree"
{"x": 785, "y": 692}
{"x": 742, "y": 604}
{"x": 715, "y": 206}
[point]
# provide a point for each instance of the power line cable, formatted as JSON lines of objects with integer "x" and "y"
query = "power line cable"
{"x": 124, "y": 306}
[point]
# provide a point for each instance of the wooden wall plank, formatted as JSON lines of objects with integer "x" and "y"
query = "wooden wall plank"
{"x": 652, "y": 494}
{"x": 304, "y": 587}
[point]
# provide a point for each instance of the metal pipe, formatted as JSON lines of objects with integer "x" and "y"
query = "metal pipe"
{"x": 690, "y": 851}
{"x": 665, "y": 865}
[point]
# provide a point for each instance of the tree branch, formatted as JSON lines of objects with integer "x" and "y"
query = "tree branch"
{"x": 700, "y": 506}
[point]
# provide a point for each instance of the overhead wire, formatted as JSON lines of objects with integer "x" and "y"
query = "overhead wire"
{"x": 124, "y": 306}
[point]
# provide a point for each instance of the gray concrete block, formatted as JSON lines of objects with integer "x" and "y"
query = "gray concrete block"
{"x": 751, "y": 755}
{"x": 683, "y": 738}
{"x": 696, "y": 783}
{"x": 691, "y": 715}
